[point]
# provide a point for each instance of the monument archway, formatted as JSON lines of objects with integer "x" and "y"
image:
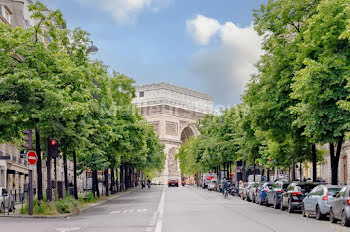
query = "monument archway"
{"x": 187, "y": 133}
{"x": 174, "y": 112}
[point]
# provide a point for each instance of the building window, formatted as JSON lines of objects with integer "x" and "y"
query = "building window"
{"x": 142, "y": 94}
{"x": 6, "y": 13}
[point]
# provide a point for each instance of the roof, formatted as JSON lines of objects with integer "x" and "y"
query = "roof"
{"x": 176, "y": 88}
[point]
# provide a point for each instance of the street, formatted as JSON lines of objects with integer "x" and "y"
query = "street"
{"x": 184, "y": 209}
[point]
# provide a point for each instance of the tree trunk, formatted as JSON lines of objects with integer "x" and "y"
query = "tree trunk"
{"x": 112, "y": 181}
{"x": 93, "y": 184}
{"x": 65, "y": 170}
{"x": 335, "y": 159}
{"x": 244, "y": 172}
{"x": 48, "y": 172}
{"x": 268, "y": 174}
{"x": 121, "y": 177}
{"x": 38, "y": 166}
{"x": 301, "y": 171}
{"x": 106, "y": 182}
{"x": 75, "y": 175}
{"x": 314, "y": 163}
{"x": 254, "y": 167}
{"x": 293, "y": 170}
{"x": 97, "y": 185}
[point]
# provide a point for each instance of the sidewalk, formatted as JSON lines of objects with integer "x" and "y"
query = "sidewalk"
{"x": 101, "y": 201}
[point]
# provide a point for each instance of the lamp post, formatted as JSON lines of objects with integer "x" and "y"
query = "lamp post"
{"x": 92, "y": 49}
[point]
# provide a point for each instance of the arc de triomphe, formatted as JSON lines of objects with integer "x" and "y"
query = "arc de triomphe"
{"x": 173, "y": 111}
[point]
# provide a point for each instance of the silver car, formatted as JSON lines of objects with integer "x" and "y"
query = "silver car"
{"x": 318, "y": 202}
{"x": 340, "y": 209}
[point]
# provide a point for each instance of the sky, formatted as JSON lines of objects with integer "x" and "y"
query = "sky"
{"x": 206, "y": 45}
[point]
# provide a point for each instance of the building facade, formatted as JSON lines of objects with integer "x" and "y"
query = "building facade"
{"x": 174, "y": 112}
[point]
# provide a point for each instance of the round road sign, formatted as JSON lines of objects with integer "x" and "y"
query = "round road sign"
{"x": 32, "y": 157}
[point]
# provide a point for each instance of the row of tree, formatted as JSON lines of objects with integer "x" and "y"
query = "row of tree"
{"x": 49, "y": 84}
{"x": 298, "y": 99}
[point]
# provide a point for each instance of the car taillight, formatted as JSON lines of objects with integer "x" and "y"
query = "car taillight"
{"x": 325, "y": 198}
{"x": 297, "y": 193}
{"x": 256, "y": 190}
{"x": 348, "y": 201}
{"x": 265, "y": 190}
{"x": 177, "y": 181}
{"x": 279, "y": 191}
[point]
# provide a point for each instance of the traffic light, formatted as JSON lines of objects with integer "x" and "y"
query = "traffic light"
{"x": 53, "y": 148}
{"x": 28, "y": 139}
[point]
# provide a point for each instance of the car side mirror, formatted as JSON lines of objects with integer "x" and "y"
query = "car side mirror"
{"x": 336, "y": 195}
{"x": 307, "y": 194}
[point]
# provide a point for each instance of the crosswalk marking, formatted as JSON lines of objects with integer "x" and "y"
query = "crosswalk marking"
{"x": 126, "y": 211}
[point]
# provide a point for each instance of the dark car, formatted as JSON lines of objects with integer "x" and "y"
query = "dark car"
{"x": 340, "y": 209}
{"x": 274, "y": 196}
{"x": 173, "y": 182}
{"x": 262, "y": 193}
{"x": 295, "y": 194}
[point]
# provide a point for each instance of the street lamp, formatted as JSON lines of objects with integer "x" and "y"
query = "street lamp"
{"x": 92, "y": 49}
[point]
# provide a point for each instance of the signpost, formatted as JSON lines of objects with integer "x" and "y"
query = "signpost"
{"x": 32, "y": 158}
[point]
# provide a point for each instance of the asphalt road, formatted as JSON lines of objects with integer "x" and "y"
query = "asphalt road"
{"x": 182, "y": 209}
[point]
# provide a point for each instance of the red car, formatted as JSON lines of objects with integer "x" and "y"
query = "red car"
{"x": 173, "y": 182}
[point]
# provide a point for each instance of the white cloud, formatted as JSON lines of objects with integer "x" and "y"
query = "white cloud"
{"x": 125, "y": 11}
{"x": 202, "y": 28}
{"x": 225, "y": 68}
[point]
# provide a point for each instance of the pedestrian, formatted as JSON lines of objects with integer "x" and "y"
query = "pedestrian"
{"x": 143, "y": 184}
{"x": 148, "y": 183}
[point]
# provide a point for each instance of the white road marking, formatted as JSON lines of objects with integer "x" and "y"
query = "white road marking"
{"x": 67, "y": 229}
{"x": 115, "y": 212}
{"x": 141, "y": 210}
{"x": 160, "y": 212}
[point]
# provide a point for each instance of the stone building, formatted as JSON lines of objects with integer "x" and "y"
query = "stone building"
{"x": 174, "y": 112}
{"x": 324, "y": 170}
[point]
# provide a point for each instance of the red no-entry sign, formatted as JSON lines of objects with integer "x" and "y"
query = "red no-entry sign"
{"x": 32, "y": 157}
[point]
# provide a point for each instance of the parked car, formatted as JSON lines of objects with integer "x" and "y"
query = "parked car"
{"x": 246, "y": 188}
{"x": 340, "y": 209}
{"x": 274, "y": 196}
{"x": 173, "y": 182}
{"x": 212, "y": 185}
{"x": 253, "y": 190}
{"x": 262, "y": 193}
{"x": 6, "y": 200}
{"x": 318, "y": 202}
{"x": 295, "y": 194}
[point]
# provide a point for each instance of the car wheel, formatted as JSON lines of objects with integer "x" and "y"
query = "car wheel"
{"x": 275, "y": 205}
{"x": 247, "y": 198}
{"x": 290, "y": 207}
{"x": 303, "y": 213}
{"x": 331, "y": 217}
{"x": 344, "y": 219}
{"x": 281, "y": 205}
{"x": 319, "y": 215}
{"x": 253, "y": 200}
{"x": 267, "y": 202}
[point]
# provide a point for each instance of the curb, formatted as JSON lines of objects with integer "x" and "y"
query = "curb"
{"x": 90, "y": 206}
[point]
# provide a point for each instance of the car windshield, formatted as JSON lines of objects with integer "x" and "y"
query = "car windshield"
{"x": 285, "y": 186}
{"x": 333, "y": 191}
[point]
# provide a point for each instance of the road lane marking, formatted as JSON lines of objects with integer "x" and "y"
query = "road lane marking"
{"x": 160, "y": 212}
{"x": 115, "y": 212}
{"x": 67, "y": 229}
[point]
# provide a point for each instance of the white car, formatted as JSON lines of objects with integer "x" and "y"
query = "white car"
{"x": 212, "y": 185}
{"x": 5, "y": 200}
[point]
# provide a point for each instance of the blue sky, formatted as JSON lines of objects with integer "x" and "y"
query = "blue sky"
{"x": 206, "y": 45}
